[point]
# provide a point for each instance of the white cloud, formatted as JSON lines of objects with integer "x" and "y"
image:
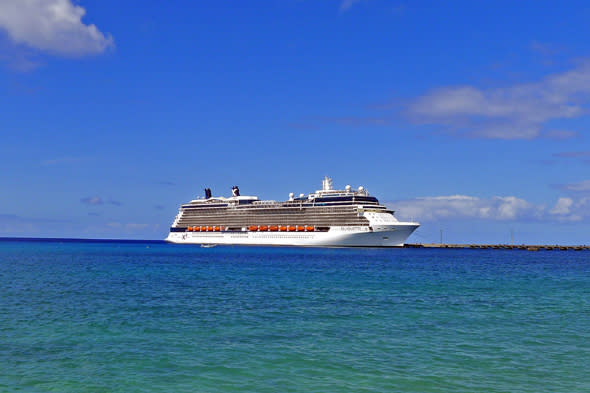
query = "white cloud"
{"x": 568, "y": 209}
{"x": 53, "y": 26}
{"x": 464, "y": 207}
{"x": 497, "y": 208}
{"x": 563, "y": 206}
{"x": 515, "y": 112}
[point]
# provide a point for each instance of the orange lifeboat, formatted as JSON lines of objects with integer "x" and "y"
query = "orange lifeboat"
{"x": 189, "y": 229}
{"x": 197, "y": 229}
{"x": 282, "y": 228}
{"x": 300, "y": 228}
{"x": 209, "y": 229}
{"x": 217, "y": 229}
{"x": 264, "y": 227}
{"x": 309, "y": 228}
{"x": 203, "y": 229}
{"x": 253, "y": 228}
{"x": 292, "y": 228}
{"x": 273, "y": 228}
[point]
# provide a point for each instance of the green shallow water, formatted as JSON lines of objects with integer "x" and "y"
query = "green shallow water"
{"x": 152, "y": 317}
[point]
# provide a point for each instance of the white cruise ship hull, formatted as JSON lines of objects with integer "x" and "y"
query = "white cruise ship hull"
{"x": 349, "y": 236}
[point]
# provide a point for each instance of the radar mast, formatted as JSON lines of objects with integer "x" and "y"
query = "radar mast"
{"x": 327, "y": 184}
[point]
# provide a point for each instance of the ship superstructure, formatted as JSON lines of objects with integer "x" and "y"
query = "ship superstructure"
{"x": 327, "y": 217}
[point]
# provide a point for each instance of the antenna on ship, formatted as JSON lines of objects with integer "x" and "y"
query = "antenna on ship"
{"x": 327, "y": 184}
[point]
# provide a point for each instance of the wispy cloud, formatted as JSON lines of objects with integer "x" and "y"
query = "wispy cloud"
{"x": 573, "y": 154}
{"x": 558, "y": 134}
{"x": 582, "y": 187}
{"x": 304, "y": 126}
{"x": 497, "y": 208}
{"x": 348, "y": 121}
{"x": 13, "y": 224}
{"x": 520, "y": 111}
{"x": 549, "y": 53}
{"x": 345, "y": 5}
{"x": 96, "y": 200}
{"x": 17, "y": 58}
{"x": 133, "y": 227}
{"x": 569, "y": 156}
{"x": 52, "y": 26}
{"x": 545, "y": 49}
{"x": 60, "y": 161}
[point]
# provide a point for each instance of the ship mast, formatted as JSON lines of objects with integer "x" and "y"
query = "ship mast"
{"x": 327, "y": 184}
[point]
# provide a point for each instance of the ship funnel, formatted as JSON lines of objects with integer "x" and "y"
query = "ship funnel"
{"x": 235, "y": 191}
{"x": 327, "y": 184}
{"x": 207, "y": 193}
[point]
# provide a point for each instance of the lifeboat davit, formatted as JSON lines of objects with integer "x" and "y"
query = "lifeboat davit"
{"x": 300, "y": 228}
{"x": 253, "y": 228}
{"x": 264, "y": 227}
{"x": 273, "y": 228}
{"x": 282, "y": 228}
{"x": 292, "y": 228}
{"x": 309, "y": 228}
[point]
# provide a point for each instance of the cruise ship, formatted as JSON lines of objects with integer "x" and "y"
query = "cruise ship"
{"x": 325, "y": 218}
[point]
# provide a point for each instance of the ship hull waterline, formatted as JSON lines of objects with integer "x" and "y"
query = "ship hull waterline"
{"x": 386, "y": 236}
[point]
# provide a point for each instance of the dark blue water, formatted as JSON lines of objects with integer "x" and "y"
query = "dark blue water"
{"x": 153, "y": 317}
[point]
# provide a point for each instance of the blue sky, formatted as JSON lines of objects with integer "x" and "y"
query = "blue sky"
{"x": 470, "y": 117}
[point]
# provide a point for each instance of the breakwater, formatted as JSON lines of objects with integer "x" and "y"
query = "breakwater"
{"x": 527, "y": 247}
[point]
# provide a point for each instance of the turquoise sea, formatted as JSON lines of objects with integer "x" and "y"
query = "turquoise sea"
{"x": 152, "y": 317}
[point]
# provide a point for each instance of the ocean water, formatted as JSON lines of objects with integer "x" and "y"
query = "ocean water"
{"x": 153, "y": 317}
